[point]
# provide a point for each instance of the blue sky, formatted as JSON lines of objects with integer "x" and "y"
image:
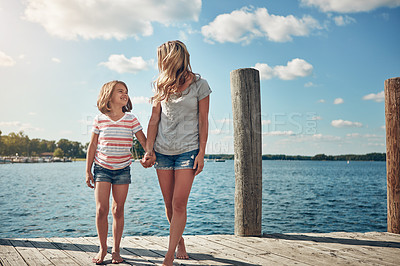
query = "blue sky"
{"x": 322, "y": 63}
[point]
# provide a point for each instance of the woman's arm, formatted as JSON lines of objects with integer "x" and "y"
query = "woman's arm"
{"x": 90, "y": 158}
{"x": 152, "y": 129}
{"x": 204, "y": 106}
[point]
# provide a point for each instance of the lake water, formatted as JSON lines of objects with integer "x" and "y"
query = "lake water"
{"x": 52, "y": 200}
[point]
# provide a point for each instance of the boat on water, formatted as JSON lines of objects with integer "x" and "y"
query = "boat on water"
{"x": 219, "y": 160}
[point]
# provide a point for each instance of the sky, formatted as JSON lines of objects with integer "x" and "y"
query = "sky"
{"x": 322, "y": 65}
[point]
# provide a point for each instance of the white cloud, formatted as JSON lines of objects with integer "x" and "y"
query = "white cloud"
{"x": 345, "y": 123}
{"x": 343, "y": 20}
{"x": 309, "y": 84}
{"x": 321, "y": 101}
{"x": 325, "y": 137}
{"x": 117, "y": 19}
{"x": 6, "y": 60}
{"x": 338, "y": 101}
{"x": 293, "y": 69}
{"x": 353, "y": 135}
{"x": 121, "y": 64}
{"x": 347, "y": 6}
{"x": 242, "y": 26}
{"x": 56, "y": 60}
{"x": 379, "y": 97}
{"x": 315, "y": 118}
{"x": 19, "y": 126}
{"x": 265, "y": 122}
{"x": 279, "y": 133}
{"x": 140, "y": 100}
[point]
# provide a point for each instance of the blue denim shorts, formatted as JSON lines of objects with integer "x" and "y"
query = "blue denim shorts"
{"x": 115, "y": 177}
{"x": 176, "y": 162}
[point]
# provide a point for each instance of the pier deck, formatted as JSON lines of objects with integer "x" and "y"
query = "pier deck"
{"x": 372, "y": 248}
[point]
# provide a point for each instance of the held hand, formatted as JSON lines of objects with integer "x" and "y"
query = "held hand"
{"x": 198, "y": 164}
{"x": 89, "y": 180}
{"x": 148, "y": 160}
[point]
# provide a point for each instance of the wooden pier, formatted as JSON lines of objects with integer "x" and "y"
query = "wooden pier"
{"x": 372, "y": 248}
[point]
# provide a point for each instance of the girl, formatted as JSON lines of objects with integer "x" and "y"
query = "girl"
{"x": 109, "y": 148}
{"x": 178, "y": 131}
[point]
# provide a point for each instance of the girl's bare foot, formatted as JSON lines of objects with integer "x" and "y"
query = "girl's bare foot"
{"x": 181, "y": 251}
{"x": 100, "y": 256}
{"x": 116, "y": 258}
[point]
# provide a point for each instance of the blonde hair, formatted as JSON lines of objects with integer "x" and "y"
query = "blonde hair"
{"x": 174, "y": 70}
{"x": 105, "y": 97}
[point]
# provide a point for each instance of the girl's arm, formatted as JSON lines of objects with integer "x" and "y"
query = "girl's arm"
{"x": 146, "y": 162}
{"x": 152, "y": 129}
{"x": 90, "y": 158}
{"x": 204, "y": 106}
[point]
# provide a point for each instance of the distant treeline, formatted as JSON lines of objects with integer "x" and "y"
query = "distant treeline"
{"x": 20, "y": 144}
{"x": 318, "y": 157}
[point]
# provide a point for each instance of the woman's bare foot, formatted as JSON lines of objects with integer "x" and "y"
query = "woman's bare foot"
{"x": 116, "y": 258}
{"x": 168, "y": 260}
{"x": 100, "y": 256}
{"x": 181, "y": 251}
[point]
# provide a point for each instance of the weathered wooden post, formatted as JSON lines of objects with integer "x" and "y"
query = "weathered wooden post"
{"x": 392, "y": 114}
{"x": 246, "y": 106}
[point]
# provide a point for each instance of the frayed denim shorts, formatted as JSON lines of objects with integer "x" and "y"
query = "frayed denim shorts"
{"x": 115, "y": 177}
{"x": 176, "y": 162}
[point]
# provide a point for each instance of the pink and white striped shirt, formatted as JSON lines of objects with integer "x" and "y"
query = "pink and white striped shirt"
{"x": 115, "y": 140}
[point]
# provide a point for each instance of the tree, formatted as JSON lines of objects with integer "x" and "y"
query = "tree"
{"x": 58, "y": 153}
{"x": 137, "y": 149}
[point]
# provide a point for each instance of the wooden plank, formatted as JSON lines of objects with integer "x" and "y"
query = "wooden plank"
{"x": 378, "y": 245}
{"x": 290, "y": 250}
{"x": 31, "y": 255}
{"x": 76, "y": 253}
{"x": 130, "y": 257}
{"x": 238, "y": 256}
{"x": 162, "y": 243}
{"x": 9, "y": 256}
{"x": 336, "y": 246}
{"x": 137, "y": 245}
{"x": 86, "y": 246}
{"x": 51, "y": 252}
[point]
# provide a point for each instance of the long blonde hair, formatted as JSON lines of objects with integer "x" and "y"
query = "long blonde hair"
{"x": 103, "y": 101}
{"x": 174, "y": 70}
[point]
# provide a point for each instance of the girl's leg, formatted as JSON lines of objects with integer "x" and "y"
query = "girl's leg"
{"x": 102, "y": 196}
{"x": 182, "y": 186}
{"x": 119, "y": 196}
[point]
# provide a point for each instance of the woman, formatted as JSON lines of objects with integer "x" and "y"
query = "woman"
{"x": 178, "y": 131}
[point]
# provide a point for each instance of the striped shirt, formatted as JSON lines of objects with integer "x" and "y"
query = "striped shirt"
{"x": 115, "y": 140}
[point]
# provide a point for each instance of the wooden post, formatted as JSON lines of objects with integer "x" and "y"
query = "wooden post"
{"x": 392, "y": 115}
{"x": 246, "y": 106}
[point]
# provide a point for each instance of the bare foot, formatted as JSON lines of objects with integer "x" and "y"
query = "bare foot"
{"x": 116, "y": 258}
{"x": 100, "y": 256}
{"x": 168, "y": 261}
{"x": 181, "y": 251}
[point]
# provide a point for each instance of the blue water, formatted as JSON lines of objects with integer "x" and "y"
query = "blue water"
{"x": 52, "y": 200}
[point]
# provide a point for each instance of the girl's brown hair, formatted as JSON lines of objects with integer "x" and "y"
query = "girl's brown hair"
{"x": 174, "y": 69}
{"x": 103, "y": 101}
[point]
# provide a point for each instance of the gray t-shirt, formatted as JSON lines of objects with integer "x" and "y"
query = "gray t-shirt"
{"x": 178, "y": 129}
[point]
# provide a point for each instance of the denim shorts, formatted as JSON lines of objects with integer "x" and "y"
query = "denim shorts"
{"x": 115, "y": 177}
{"x": 176, "y": 162}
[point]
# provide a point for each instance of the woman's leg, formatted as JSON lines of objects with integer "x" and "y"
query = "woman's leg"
{"x": 119, "y": 196}
{"x": 182, "y": 185}
{"x": 102, "y": 196}
{"x": 166, "y": 181}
